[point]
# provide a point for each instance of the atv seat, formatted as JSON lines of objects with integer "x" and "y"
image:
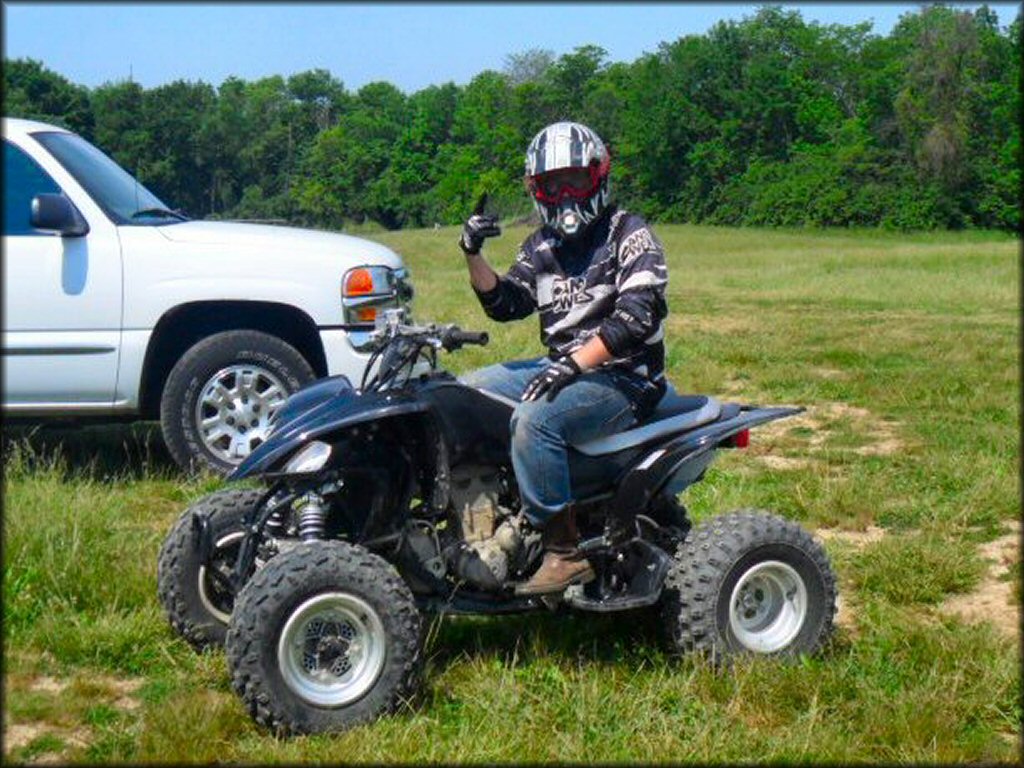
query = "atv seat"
{"x": 675, "y": 413}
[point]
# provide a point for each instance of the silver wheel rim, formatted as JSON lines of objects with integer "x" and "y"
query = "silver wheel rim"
{"x": 235, "y": 409}
{"x": 332, "y": 649}
{"x": 768, "y": 606}
{"x": 204, "y": 584}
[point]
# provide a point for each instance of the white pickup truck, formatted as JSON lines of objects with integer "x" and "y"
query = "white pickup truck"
{"x": 117, "y": 307}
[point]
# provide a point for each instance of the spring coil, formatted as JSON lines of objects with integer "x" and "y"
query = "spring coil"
{"x": 312, "y": 519}
{"x": 276, "y": 525}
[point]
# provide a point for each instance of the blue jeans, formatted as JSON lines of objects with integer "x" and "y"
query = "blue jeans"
{"x": 588, "y": 408}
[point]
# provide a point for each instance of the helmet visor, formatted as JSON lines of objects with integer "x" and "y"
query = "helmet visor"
{"x": 554, "y": 186}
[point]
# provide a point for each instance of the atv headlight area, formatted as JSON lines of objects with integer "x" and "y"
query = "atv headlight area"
{"x": 310, "y": 459}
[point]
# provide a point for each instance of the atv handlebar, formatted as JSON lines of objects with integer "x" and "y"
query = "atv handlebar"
{"x": 398, "y": 346}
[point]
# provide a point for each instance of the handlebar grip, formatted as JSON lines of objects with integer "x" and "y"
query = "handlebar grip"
{"x": 471, "y": 337}
{"x": 453, "y": 338}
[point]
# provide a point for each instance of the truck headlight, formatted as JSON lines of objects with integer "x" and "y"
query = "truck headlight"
{"x": 365, "y": 291}
{"x": 310, "y": 459}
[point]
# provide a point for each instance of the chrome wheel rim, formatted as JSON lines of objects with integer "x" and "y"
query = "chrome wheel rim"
{"x": 768, "y": 606}
{"x": 235, "y": 409}
{"x": 332, "y": 649}
{"x": 214, "y": 599}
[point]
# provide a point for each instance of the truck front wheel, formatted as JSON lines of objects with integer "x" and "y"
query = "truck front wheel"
{"x": 220, "y": 396}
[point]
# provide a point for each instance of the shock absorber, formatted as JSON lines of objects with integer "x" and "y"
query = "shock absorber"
{"x": 312, "y": 517}
{"x": 277, "y": 522}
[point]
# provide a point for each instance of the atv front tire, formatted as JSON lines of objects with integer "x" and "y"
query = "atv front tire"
{"x": 749, "y": 582}
{"x": 195, "y": 598}
{"x": 324, "y": 637}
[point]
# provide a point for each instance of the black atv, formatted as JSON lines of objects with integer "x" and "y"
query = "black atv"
{"x": 380, "y": 504}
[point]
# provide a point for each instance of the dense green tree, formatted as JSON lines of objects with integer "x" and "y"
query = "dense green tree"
{"x": 32, "y": 91}
{"x": 770, "y": 120}
{"x": 119, "y": 127}
{"x": 529, "y": 66}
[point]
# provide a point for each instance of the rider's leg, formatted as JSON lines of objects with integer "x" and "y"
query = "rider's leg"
{"x": 542, "y": 430}
{"x": 506, "y": 381}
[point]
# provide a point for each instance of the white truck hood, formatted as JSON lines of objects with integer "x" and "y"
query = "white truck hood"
{"x": 288, "y": 239}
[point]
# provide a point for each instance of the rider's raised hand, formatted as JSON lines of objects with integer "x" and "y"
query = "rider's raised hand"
{"x": 552, "y": 379}
{"x": 478, "y": 228}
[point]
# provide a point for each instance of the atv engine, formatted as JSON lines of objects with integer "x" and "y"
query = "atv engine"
{"x": 491, "y": 532}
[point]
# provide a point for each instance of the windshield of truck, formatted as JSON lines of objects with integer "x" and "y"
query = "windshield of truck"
{"x": 113, "y": 189}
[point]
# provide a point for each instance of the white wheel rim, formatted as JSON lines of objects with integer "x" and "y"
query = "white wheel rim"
{"x": 332, "y": 649}
{"x": 768, "y": 607}
{"x": 204, "y": 584}
{"x": 235, "y": 409}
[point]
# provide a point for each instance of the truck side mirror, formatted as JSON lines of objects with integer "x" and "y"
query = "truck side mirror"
{"x": 58, "y": 214}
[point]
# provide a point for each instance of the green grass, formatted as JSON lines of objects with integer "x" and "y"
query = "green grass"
{"x": 916, "y": 569}
{"x": 904, "y": 349}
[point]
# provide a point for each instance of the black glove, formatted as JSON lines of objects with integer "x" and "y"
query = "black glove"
{"x": 478, "y": 228}
{"x": 552, "y": 379}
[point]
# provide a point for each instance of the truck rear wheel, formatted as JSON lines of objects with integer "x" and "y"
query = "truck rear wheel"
{"x": 220, "y": 397}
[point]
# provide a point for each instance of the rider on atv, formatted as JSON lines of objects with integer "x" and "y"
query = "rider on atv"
{"x": 596, "y": 274}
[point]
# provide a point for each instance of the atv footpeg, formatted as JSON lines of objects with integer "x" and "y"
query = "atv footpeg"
{"x": 627, "y": 577}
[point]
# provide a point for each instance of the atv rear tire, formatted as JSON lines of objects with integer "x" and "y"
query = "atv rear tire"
{"x": 197, "y": 605}
{"x": 324, "y": 637}
{"x": 749, "y": 582}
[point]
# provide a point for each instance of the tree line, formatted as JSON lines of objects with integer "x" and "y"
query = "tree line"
{"x": 768, "y": 121}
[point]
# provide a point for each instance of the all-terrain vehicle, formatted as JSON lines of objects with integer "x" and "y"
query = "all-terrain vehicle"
{"x": 381, "y": 504}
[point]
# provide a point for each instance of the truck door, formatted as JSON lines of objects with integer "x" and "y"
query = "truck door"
{"x": 62, "y": 300}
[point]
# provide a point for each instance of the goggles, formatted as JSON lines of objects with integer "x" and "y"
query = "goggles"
{"x": 576, "y": 183}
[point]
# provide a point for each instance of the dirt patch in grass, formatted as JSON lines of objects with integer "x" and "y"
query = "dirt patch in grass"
{"x": 31, "y": 737}
{"x": 46, "y": 684}
{"x": 827, "y": 373}
{"x": 18, "y": 735}
{"x": 818, "y": 429}
{"x": 783, "y": 462}
{"x": 993, "y": 599}
{"x": 117, "y": 692}
{"x": 846, "y": 606}
{"x": 116, "y": 688}
{"x": 858, "y": 539}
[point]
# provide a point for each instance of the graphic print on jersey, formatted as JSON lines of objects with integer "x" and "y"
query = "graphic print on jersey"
{"x": 568, "y": 292}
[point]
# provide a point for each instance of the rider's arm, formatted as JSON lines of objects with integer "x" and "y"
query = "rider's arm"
{"x": 592, "y": 354}
{"x": 483, "y": 278}
{"x": 511, "y": 296}
{"x": 640, "y": 303}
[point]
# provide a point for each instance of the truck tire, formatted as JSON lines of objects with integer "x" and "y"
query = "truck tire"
{"x": 219, "y": 397}
{"x": 325, "y": 636}
{"x": 194, "y": 599}
{"x": 749, "y": 582}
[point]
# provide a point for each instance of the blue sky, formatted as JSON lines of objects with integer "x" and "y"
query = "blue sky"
{"x": 410, "y": 45}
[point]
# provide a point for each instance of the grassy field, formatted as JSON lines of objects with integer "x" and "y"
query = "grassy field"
{"x": 904, "y": 349}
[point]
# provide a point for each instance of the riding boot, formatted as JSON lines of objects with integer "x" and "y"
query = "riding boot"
{"x": 562, "y": 565}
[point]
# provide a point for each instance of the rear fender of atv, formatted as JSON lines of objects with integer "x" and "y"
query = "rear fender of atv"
{"x": 671, "y": 467}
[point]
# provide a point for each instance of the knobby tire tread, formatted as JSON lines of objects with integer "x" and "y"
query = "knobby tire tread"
{"x": 702, "y": 563}
{"x": 178, "y": 567}
{"x": 303, "y": 571}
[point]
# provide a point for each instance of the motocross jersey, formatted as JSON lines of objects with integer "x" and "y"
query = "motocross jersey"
{"x": 610, "y": 284}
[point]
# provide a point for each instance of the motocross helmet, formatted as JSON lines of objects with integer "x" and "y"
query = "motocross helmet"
{"x": 567, "y": 168}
